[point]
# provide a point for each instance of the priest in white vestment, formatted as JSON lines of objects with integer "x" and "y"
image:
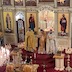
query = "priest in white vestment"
{"x": 51, "y": 43}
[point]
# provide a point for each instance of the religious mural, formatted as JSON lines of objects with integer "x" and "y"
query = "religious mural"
{"x": 63, "y": 24}
{"x": 32, "y": 21}
{"x": 63, "y": 2}
{"x": 30, "y": 3}
{"x": 18, "y": 2}
{"x": 8, "y": 22}
{"x": 6, "y": 2}
{"x": 46, "y": 0}
{"x": 46, "y": 19}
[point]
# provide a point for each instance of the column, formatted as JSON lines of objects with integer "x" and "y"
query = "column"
{"x": 0, "y": 2}
{"x": 15, "y": 27}
{"x": 70, "y": 30}
{"x": 71, "y": 27}
{"x": 12, "y": 2}
{"x": 55, "y": 3}
{"x": 55, "y": 22}
{"x": 70, "y": 3}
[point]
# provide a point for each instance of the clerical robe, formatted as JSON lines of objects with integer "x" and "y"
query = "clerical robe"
{"x": 30, "y": 41}
{"x": 51, "y": 43}
{"x": 10, "y": 68}
{"x": 42, "y": 41}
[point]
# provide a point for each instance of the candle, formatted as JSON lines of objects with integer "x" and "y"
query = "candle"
{"x": 68, "y": 51}
{"x": 34, "y": 55}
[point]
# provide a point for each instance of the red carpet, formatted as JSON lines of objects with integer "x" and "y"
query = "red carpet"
{"x": 45, "y": 59}
{"x": 3, "y": 69}
{"x": 42, "y": 59}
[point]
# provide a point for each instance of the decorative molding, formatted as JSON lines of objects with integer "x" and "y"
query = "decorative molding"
{"x": 37, "y": 8}
{"x": 31, "y": 9}
{"x": 47, "y": 7}
{"x": 7, "y": 8}
{"x": 19, "y": 8}
{"x": 55, "y": 10}
{"x": 13, "y": 8}
{"x": 59, "y": 9}
{"x": 63, "y": 9}
{"x": 70, "y": 9}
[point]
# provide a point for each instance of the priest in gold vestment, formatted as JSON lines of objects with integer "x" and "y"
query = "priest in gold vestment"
{"x": 42, "y": 41}
{"x": 30, "y": 40}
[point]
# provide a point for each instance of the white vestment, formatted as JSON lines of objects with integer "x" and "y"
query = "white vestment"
{"x": 51, "y": 43}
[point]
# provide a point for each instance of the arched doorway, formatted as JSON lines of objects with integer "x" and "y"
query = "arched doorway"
{"x": 20, "y": 23}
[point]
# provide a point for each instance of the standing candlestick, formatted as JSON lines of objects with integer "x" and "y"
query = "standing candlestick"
{"x": 68, "y": 68}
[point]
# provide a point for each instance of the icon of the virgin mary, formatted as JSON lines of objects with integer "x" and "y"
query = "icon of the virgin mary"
{"x": 8, "y": 21}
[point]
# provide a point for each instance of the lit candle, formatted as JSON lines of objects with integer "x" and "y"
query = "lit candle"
{"x": 34, "y": 55}
{"x": 68, "y": 50}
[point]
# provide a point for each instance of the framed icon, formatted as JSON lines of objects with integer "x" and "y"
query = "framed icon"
{"x": 63, "y": 2}
{"x": 30, "y": 2}
{"x": 18, "y": 2}
{"x": 46, "y": 0}
{"x": 63, "y": 24}
{"x": 6, "y": 2}
{"x": 32, "y": 20}
{"x": 8, "y": 22}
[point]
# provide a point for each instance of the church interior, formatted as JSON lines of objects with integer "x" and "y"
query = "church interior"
{"x": 35, "y": 35}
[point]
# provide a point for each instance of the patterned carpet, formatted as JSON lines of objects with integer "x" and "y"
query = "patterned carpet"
{"x": 46, "y": 59}
{"x": 42, "y": 59}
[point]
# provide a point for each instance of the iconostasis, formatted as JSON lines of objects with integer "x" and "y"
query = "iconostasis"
{"x": 44, "y": 17}
{"x": 46, "y": 13}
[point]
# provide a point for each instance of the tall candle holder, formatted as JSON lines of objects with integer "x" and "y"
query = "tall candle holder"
{"x": 31, "y": 62}
{"x": 25, "y": 59}
{"x": 68, "y": 68}
{"x": 44, "y": 67}
{"x": 34, "y": 57}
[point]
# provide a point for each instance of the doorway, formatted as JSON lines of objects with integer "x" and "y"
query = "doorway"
{"x": 20, "y": 23}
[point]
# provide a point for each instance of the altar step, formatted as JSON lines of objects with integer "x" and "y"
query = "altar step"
{"x": 44, "y": 59}
{"x": 41, "y": 59}
{"x": 2, "y": 68}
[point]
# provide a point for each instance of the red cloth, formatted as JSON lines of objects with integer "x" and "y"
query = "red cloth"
{"x": 62, "y": 28}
